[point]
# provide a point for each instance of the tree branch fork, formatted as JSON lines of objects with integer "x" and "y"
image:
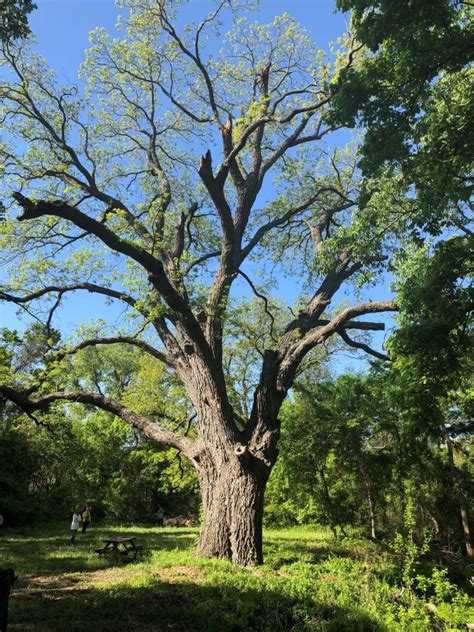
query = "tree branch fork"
{"x": 191, "y": 344}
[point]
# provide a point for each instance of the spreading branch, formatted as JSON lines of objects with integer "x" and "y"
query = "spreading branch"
{"x": 360, "y": 345}
{"x": 62, "y": 289}
{"x": 129, "y": 340}
{"x": 300, "y": 347}
{"x": 180, "y": 309}
{"x": 139, "y": 422}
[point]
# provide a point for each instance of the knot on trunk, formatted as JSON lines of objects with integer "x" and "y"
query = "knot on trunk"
{"x": 240, "y": 449}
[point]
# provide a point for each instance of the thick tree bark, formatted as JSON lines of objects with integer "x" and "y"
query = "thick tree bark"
{"x": 232, "y": 474}
{"x": 232, "y": 496}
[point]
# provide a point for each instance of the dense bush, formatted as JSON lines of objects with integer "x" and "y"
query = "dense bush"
{"x": 351, "y": 457}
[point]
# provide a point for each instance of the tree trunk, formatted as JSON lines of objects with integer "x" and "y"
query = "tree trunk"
{"x": 373, "y": 533}
{"x": 331, "y": 512}
{"x": 232, "y": 497}
{"x": 458, "y": 492}
{"x": 370, "y": 502}
{"x": 233, "y": 467}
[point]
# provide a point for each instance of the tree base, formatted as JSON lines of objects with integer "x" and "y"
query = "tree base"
{"x": 233, "y": 510}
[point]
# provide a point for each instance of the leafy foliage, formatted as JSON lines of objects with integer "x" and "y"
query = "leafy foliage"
{"x": 436, "y": 301}
{"x": 73, "y": 456}
{"x": 410, "y": 91}
{"x": 14, "y": 19}
{"x": 356, "y": 453}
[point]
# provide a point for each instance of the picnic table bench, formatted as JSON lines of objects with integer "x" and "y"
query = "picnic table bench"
{"x": 122, "y": 547}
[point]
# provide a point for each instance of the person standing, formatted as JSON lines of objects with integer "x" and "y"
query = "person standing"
{"x": 86, "y": 519}
{"x": 160, "y": 516}
{"x": 76, "y": 521}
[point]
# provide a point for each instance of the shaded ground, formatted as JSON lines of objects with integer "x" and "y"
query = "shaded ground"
{"x": 307, "y": 584}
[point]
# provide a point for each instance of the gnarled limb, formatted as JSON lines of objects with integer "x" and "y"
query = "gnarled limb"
{"x": 361, "y": 345}
{"x": 93, "y": 288}
{"x": 130, "y": 340}
{"x": 280, "y": 366}
{"x": 139, "y": 422}
{"x": 180, "y": 310}
{"x": 296, "y": 351}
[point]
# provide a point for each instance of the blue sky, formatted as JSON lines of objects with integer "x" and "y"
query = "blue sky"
{"x": 61, "y": 29}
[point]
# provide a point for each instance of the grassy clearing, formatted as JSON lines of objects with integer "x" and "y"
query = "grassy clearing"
{"x": 308, "y": 583}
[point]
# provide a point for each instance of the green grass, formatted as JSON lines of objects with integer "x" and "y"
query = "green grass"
{"x": 308, "y": 583}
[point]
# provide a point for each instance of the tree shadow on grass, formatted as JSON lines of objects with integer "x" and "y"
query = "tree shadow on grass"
{"x": 187, "y": 607}
{"x": 293, "y": 549}
{"x": 30, "y": 554}
{"x": 55, "y": 593}
{"x": 170, "y": 541}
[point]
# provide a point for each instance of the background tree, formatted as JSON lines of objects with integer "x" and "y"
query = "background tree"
{"x": 14, "y": 19}
{"x": 410, "y": 93}
{"x": 386, "y": 465}
{"x": 73, "y": 455}
{"x": 149, "y": 190}
{"x": 328, "y": 456}
{"x": 121, "y": 473}
{"x": 432, "y": 349}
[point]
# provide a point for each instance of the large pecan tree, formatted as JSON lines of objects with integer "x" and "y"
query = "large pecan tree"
{"x": 174, "y": 176}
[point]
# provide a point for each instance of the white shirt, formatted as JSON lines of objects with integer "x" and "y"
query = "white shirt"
{"x": 76, "y": 521}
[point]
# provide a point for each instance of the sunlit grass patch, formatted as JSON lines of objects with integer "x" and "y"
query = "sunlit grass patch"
{"x": 308, "y": 583}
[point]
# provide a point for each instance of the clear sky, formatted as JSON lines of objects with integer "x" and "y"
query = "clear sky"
{"x": 61, "y": 30}
{"x": 61, "y": 27}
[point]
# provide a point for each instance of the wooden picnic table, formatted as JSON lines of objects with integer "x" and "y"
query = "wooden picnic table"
{"x": 121, "y": 546}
